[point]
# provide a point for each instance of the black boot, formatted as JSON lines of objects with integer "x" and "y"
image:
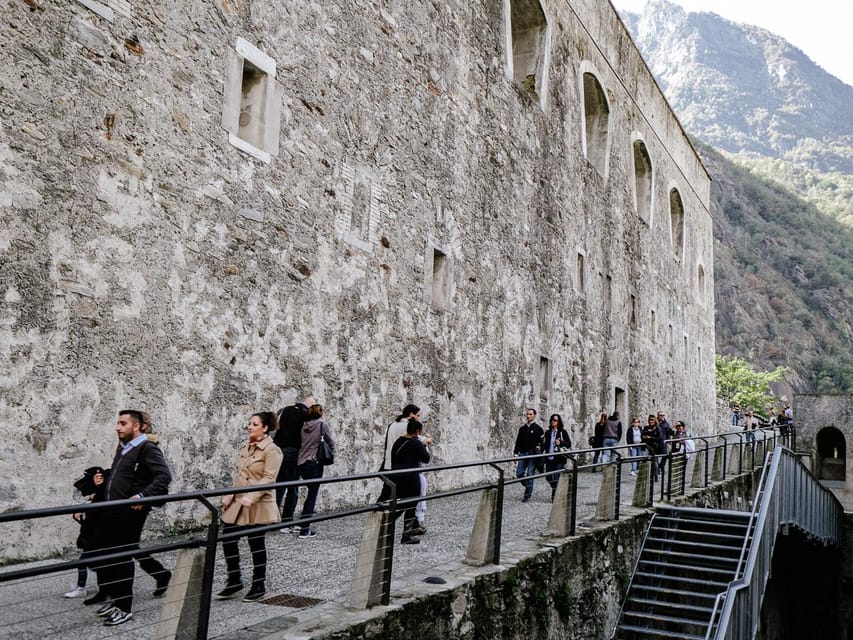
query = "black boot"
{"x": 230, "y": 591}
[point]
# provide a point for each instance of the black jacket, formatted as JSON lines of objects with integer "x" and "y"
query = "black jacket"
{"x": 290, "y": 421}
{"x": 141, "y": 471}
{"x": 529, "y": 438}
{"x": 562, "y": 436}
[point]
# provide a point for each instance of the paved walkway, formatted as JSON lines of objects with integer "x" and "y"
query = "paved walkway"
{"x": 302, "y": 572}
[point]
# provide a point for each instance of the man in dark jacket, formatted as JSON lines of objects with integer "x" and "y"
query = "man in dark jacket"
{"x": 288, "y": 437}
{"x": 527, "y": 443}
{"x": 409, "y": 452}
{"x": 612, "y": 435}
{"x": 138, "y": 471}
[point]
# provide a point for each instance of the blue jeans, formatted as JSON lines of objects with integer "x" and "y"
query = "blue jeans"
{"x": 636, "y": 452}
{"x": 526, "y": 467}
{"x": 309, "y": 471}
{"x": 607, "y": 455}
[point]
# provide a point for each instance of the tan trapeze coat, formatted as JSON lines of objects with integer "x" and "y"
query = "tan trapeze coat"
{"x": 257, "y": 463}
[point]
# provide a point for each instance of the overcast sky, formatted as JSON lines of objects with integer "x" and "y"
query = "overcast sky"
{"x": 821, "y": 28}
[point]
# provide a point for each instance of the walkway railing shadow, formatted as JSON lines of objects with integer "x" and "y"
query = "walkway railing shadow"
{"x": 586, "y": 494}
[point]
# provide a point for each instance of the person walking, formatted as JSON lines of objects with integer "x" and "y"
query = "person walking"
{"x": 611, "y": 436}
{"x": 392, "y": 432}
{"x": 409, "y": 451}
{"x": 258, "y": 463}
{"x": 596, "y": 440}
{"x": 138, "y": 470}
{"x": 288, "y": 438}
{"x": 313, "y": 430}
{"x": 652, "y": 438}
{"x": 527, "y": 443}
{"x": 750, "y": 425}
{"x": 634, "y": 437}
{"x": 556, "y": 439}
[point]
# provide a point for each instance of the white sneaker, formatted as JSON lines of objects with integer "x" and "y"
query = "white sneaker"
{"x": 77, "y": 592}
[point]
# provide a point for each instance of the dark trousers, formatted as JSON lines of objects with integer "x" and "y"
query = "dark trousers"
{"x": 408, "y": 487}
{"x": 150, "y": 565}
{"x": 119, "y": 531}
{"x": 231, "y": 550}
{"x": 287, "y": 473}
{"x": 554, "y": 465}
{"x": 310, "y": 471}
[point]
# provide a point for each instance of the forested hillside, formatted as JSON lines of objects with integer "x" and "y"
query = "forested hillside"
{"x": 781, "y": 158}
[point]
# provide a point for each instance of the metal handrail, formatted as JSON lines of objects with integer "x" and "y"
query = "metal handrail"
{"x": 784, "y": 483}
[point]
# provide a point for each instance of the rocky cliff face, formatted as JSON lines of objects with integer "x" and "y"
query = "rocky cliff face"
{"x": 742, "y": 88}
{"x": 784, "y": 208}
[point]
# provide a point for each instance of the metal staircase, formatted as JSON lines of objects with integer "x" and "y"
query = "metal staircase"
{"x": 688, "y": 557}
{"x": 701, "y": 573}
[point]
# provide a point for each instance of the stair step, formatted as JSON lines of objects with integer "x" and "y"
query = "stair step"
{"x": 699, "y": 557}
{"x": 719, "y": 584}
{"x": 681, "y": 593}
{"x": 692, "y": 608}
{"x": 667, "y": 522}
{"x": 686, "y": 567}
{"x": 654, "y": 633}
{"x": 696, "y": 543}
{"x": 662, "y": 619}
{"x": 699, "y": 512}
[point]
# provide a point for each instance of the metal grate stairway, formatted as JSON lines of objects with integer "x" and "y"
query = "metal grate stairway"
{"x": 689, "y": 556}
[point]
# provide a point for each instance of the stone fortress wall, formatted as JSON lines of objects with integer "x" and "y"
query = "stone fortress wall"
{"x": 211, "y": 208}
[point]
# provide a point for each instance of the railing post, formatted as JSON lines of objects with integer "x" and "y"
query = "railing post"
{"x": 388, "y": 555}
{"x": 617, "y": 492}
{"x": 209, "y": 567}
{"x": 484, "y": 545}
{"x": 499, "y": 510}
{"x": 669, "y": 476}
{"x": 561, "y": 518}
{"x": 371, "y": 575}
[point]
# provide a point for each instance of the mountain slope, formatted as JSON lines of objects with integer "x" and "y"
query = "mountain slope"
{"x": 782, "y": 191}
{"x": 784, "y": 279}
{"x": 742, "y": 88}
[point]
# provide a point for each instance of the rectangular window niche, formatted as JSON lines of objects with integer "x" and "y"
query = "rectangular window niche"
{"x": 251, "y": 111}
{"x": 440, "y": 284}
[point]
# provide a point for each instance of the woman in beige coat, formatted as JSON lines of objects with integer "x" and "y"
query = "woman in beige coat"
{"x": 257, "y": 464}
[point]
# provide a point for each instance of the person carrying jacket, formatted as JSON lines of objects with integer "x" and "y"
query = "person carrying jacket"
{"x": 139, "y": 470}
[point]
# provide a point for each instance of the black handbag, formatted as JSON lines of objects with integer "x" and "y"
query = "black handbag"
{"x": 325, "y": 455}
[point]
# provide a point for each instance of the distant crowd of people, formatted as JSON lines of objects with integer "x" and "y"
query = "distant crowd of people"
{"x": 656, "y": 438}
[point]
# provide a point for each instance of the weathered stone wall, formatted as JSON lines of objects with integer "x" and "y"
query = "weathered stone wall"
{"x": 146, "y": 262}
{"x": 827, "y": 417}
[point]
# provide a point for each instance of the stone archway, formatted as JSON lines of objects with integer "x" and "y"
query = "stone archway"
{"x": 831, "y": 455}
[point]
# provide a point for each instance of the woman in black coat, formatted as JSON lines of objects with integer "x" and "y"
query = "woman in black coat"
{"x": 556, "y": 439}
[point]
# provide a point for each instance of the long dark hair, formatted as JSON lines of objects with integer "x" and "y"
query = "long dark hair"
{"x": 408, "y": 410}
{"x": 559, "y": 421}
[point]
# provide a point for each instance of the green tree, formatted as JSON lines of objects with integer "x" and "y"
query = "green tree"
{"x": 739, "y": 384}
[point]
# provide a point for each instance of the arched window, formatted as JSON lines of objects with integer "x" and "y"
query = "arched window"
{"x": 596, "y": 113}
{"x": 529, "y": 46}
{"x": 831, "y": 459}
{"x": 676, "y": 222}
{"x": 642, "y": 181}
